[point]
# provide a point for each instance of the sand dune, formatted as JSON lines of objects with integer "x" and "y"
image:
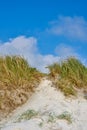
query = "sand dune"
{"x": 49, "y": 109}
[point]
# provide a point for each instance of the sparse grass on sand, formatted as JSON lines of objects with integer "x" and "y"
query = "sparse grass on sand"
{"x": 27, "y": 115}
{"x": 17, "y": 81}
{"x": 68, "y": 75}
{"x": 65, "y": 116}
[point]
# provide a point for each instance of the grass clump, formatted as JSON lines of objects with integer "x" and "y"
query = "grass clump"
{"x": 27, "y": 115}
{"x": 17, "y": 81}
{"x": 52, "y": 117}
{"x": 69, "y": 74}
{"x": 15, "y": 70}
{"x": 65, "y": 116}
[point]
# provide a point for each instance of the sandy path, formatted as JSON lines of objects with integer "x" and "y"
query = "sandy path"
{"x": 50, "y": 103}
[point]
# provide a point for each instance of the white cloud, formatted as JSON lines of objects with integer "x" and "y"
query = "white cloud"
{"x": 27, "y": 47}
{"x": 18, "y": 45}
{"x": 64, "y": 51}
{"x": 71, "y": 27}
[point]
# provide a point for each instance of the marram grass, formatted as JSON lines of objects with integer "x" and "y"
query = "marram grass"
{"x": 68, "y": 75}
{"x": 16, "y": 71}
{"x": 17, "y": 81}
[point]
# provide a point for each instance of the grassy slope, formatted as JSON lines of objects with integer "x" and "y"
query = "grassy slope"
{"x": 17, "y": 81}
{"x": 68, "y": 75}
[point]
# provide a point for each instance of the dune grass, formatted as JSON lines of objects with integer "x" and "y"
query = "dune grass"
{"x": 16, "y": 71}
{"x": 65, "y": 116}
{"x": 17, "y": 81}
{"x": 27, "y": 115}
{"x": 68, "y": 75}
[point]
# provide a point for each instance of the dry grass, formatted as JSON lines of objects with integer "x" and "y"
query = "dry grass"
{"x": 69, "y": 74}
{"x": 17, "y": 82}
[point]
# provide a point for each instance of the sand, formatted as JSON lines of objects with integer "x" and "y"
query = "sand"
{"x": 55, "y": 111}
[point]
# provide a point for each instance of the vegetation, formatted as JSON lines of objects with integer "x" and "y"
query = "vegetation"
{"x": 68, "y": 75}
{"x": 17, "y": 81}
{"x": 16, "y": 71}
{"x": 27, "y": 115}
{"x": 52, "y": 117}
{"x": 65, "y": 116}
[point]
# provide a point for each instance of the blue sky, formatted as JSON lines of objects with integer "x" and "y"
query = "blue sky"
{"x": 43, "y": 31}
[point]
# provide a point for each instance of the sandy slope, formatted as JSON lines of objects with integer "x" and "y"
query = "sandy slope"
{"x": 49, "y": 104}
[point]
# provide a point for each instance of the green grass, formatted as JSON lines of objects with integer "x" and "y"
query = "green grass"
{"x": 17, "y": 81}
{"x": 51, "y": 117}
{"x": 27, "y": 115}
{"x": 65, "y": 116}
{"x": 69, "y": 74}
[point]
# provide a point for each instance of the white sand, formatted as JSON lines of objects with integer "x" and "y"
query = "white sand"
{"x": 48, "y": 101}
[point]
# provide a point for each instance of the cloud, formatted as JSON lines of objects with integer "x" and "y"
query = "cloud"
{"x": 18, "y": 45}
{"x": 28, "y": 48}
{"x": 64, "y": 51}
{"x": 70, "y": 27}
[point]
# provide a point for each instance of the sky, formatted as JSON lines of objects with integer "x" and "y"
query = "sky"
{"x": 45, "y": 31}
